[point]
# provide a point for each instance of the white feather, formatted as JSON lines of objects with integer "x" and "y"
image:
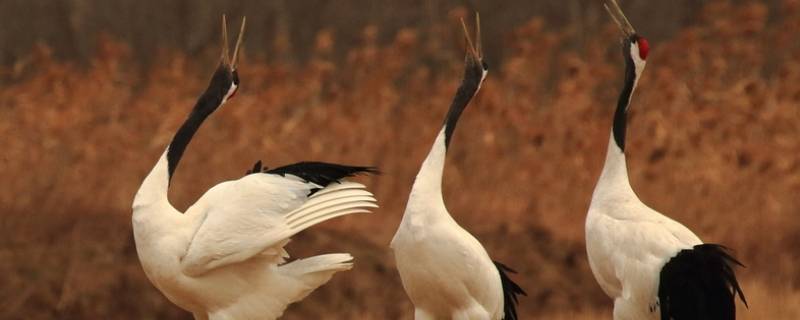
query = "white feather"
{"x": 223, "y": 258}
{"x": 445, "y": 271}
{"x": 628, "y": 243}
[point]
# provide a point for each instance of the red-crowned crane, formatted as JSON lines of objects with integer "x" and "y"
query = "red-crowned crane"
{"x": 652, "y": 266}
{"x": 445, "y": 271}
{"x": 224, "y": 258}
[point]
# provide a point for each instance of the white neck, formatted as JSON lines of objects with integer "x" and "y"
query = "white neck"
{"x": 613, "y": 183}
{"x": 426, "y": 199}
{"x": 429, "y": 178}
{"x": 637, "y": 62}
{"x": 155, "y": 187}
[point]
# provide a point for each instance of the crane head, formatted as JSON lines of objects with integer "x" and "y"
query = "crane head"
{"x": 638, "y": 47}
{"x": 226, "y": 79}
{"x": 474, "y": 66}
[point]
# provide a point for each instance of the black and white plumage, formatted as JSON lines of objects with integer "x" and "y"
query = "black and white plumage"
{"x": 511, "y": 291}
{"x": 652, "y": 266}
{"x": 224, "y": 258}
{"x": 695, "y": 284}
{"x": 445, "y": 271}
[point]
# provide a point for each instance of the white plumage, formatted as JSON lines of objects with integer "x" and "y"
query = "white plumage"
{"x": 652, "y": 266}
{"x": 628, "y": 243}
{"x": 445, "y": 271}
{"x": 224, "y": 257}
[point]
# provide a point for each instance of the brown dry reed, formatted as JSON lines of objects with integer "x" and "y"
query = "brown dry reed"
{"x": 714, "y": 142}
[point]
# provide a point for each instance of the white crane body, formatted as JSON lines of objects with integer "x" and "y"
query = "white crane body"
{"x": 224, "y": 258}
{"x": 628, "y": 243}
{"x": 650, "y": 265}
{"x": 445, "y": 270}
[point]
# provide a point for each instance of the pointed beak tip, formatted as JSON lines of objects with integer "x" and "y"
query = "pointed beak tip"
{"x": 474, "y": 50}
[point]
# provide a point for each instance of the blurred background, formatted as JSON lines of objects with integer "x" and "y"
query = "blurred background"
{"x": 91, "y": 91}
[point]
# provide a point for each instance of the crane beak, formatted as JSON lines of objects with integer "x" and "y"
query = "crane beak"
{"x": 474, "y": 52}
{"x": 235, "y": 61}
{"x": 616, "y": 13}
{"x": 227, "y": 60}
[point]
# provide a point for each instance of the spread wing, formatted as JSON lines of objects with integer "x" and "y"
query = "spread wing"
{"x": 257, "y": 214}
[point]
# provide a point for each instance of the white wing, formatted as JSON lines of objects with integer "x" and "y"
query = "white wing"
{"x": 257, "y": 214}
{"x": 627, "y": 254}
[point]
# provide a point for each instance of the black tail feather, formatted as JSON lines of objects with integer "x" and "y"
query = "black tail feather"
{"x": 510, "y": 291}
{"x": 321, "y": 173}
{"x": 700, "y": 283}
{"x": 256, "y": 168}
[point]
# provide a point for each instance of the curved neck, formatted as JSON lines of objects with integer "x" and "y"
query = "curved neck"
{"x": 429, "y": 177}
{"x": 621, "y": 114}
{"x": 613, "y": 181}
{"x": 156, "y": 185}
{"x": 468, "y": 88}
{"x": 184, "y": 135}
{"x": 426, "y": 202}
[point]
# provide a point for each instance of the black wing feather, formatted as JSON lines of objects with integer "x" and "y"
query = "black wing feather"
{"x": 510, "y": 291}
{"x": 256, "y": 168}
{"x": 700, "y": 283}
{"x": 321, "y": 173}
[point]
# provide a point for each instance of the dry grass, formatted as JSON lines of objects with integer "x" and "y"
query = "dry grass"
{"x": 714, "y": 142}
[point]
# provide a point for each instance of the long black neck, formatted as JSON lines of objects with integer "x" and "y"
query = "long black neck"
{"x": 206, "y": 105}
{"x": 621, "y": 114}
{"x": 467, "y": 90}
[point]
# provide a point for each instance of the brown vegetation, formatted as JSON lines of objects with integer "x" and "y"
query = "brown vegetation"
{"x": 714, "y": 142}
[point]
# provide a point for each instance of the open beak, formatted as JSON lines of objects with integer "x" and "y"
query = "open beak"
{"x": 474, "y": 52}
{"x": 227, "y": 60}
{"x": 616, "y": 13}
